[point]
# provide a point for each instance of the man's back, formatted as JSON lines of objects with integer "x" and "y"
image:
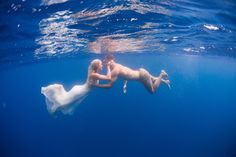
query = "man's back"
{"x": 124, "y": 72}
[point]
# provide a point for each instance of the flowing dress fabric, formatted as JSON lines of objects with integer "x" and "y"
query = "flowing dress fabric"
{"x": 58, "y": 99}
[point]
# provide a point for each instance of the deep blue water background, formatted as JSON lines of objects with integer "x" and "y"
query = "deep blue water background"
{"x": 49, "y": 41}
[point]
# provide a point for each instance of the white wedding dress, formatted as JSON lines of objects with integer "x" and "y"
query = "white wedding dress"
{"x": 58, "y": 99}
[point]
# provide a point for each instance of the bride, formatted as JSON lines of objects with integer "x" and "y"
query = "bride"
{"x": 57, "y": 98}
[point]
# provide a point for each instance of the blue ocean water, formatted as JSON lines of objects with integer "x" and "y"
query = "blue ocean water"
{"x": 53, "y": 41}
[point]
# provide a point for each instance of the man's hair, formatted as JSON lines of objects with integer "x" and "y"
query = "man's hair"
{"x": 109, "y": 57}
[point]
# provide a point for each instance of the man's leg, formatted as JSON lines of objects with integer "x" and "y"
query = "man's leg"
{"x": 159, "y": 79}
{"x": 146, "y": 79}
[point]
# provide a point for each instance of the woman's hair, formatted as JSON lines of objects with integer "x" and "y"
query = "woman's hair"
{"x": 94, "y": 65}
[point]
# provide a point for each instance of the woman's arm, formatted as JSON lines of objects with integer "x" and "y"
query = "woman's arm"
{"x": 114, "y": 76}
{"x": 102, "y": 77}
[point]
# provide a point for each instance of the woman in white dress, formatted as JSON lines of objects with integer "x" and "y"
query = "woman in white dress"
{"x": 57, "y": 98}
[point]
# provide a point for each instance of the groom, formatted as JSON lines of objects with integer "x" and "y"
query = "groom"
{"x": 150, "y": 82}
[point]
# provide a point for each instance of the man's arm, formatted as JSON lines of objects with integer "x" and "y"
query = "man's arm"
{"x": 124, "y": 86}
{"x": 108, "y": 85}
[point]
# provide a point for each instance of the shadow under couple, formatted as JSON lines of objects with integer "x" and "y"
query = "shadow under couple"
{"x": 57, "y": 98}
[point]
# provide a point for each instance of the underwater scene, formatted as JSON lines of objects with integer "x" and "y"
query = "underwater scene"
{"x": 61, "y": 96}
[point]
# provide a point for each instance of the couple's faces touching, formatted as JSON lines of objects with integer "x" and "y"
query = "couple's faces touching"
{"x": 105, "y": 61}
{"x": 99, "y": 64}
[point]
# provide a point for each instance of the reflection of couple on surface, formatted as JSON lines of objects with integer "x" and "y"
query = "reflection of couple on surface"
{"x": 57, "y": 98}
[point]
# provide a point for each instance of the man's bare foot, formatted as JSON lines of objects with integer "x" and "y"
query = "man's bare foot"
{"x": 167, "y": 82}
{"x": 164, "y": 74}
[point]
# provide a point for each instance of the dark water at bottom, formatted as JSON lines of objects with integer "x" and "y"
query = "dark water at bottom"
{"x": 196, "y": 118}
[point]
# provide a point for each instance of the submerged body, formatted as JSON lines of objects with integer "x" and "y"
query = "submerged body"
{"x": 57, "y": 98}
{"x": 150, "y": 82}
